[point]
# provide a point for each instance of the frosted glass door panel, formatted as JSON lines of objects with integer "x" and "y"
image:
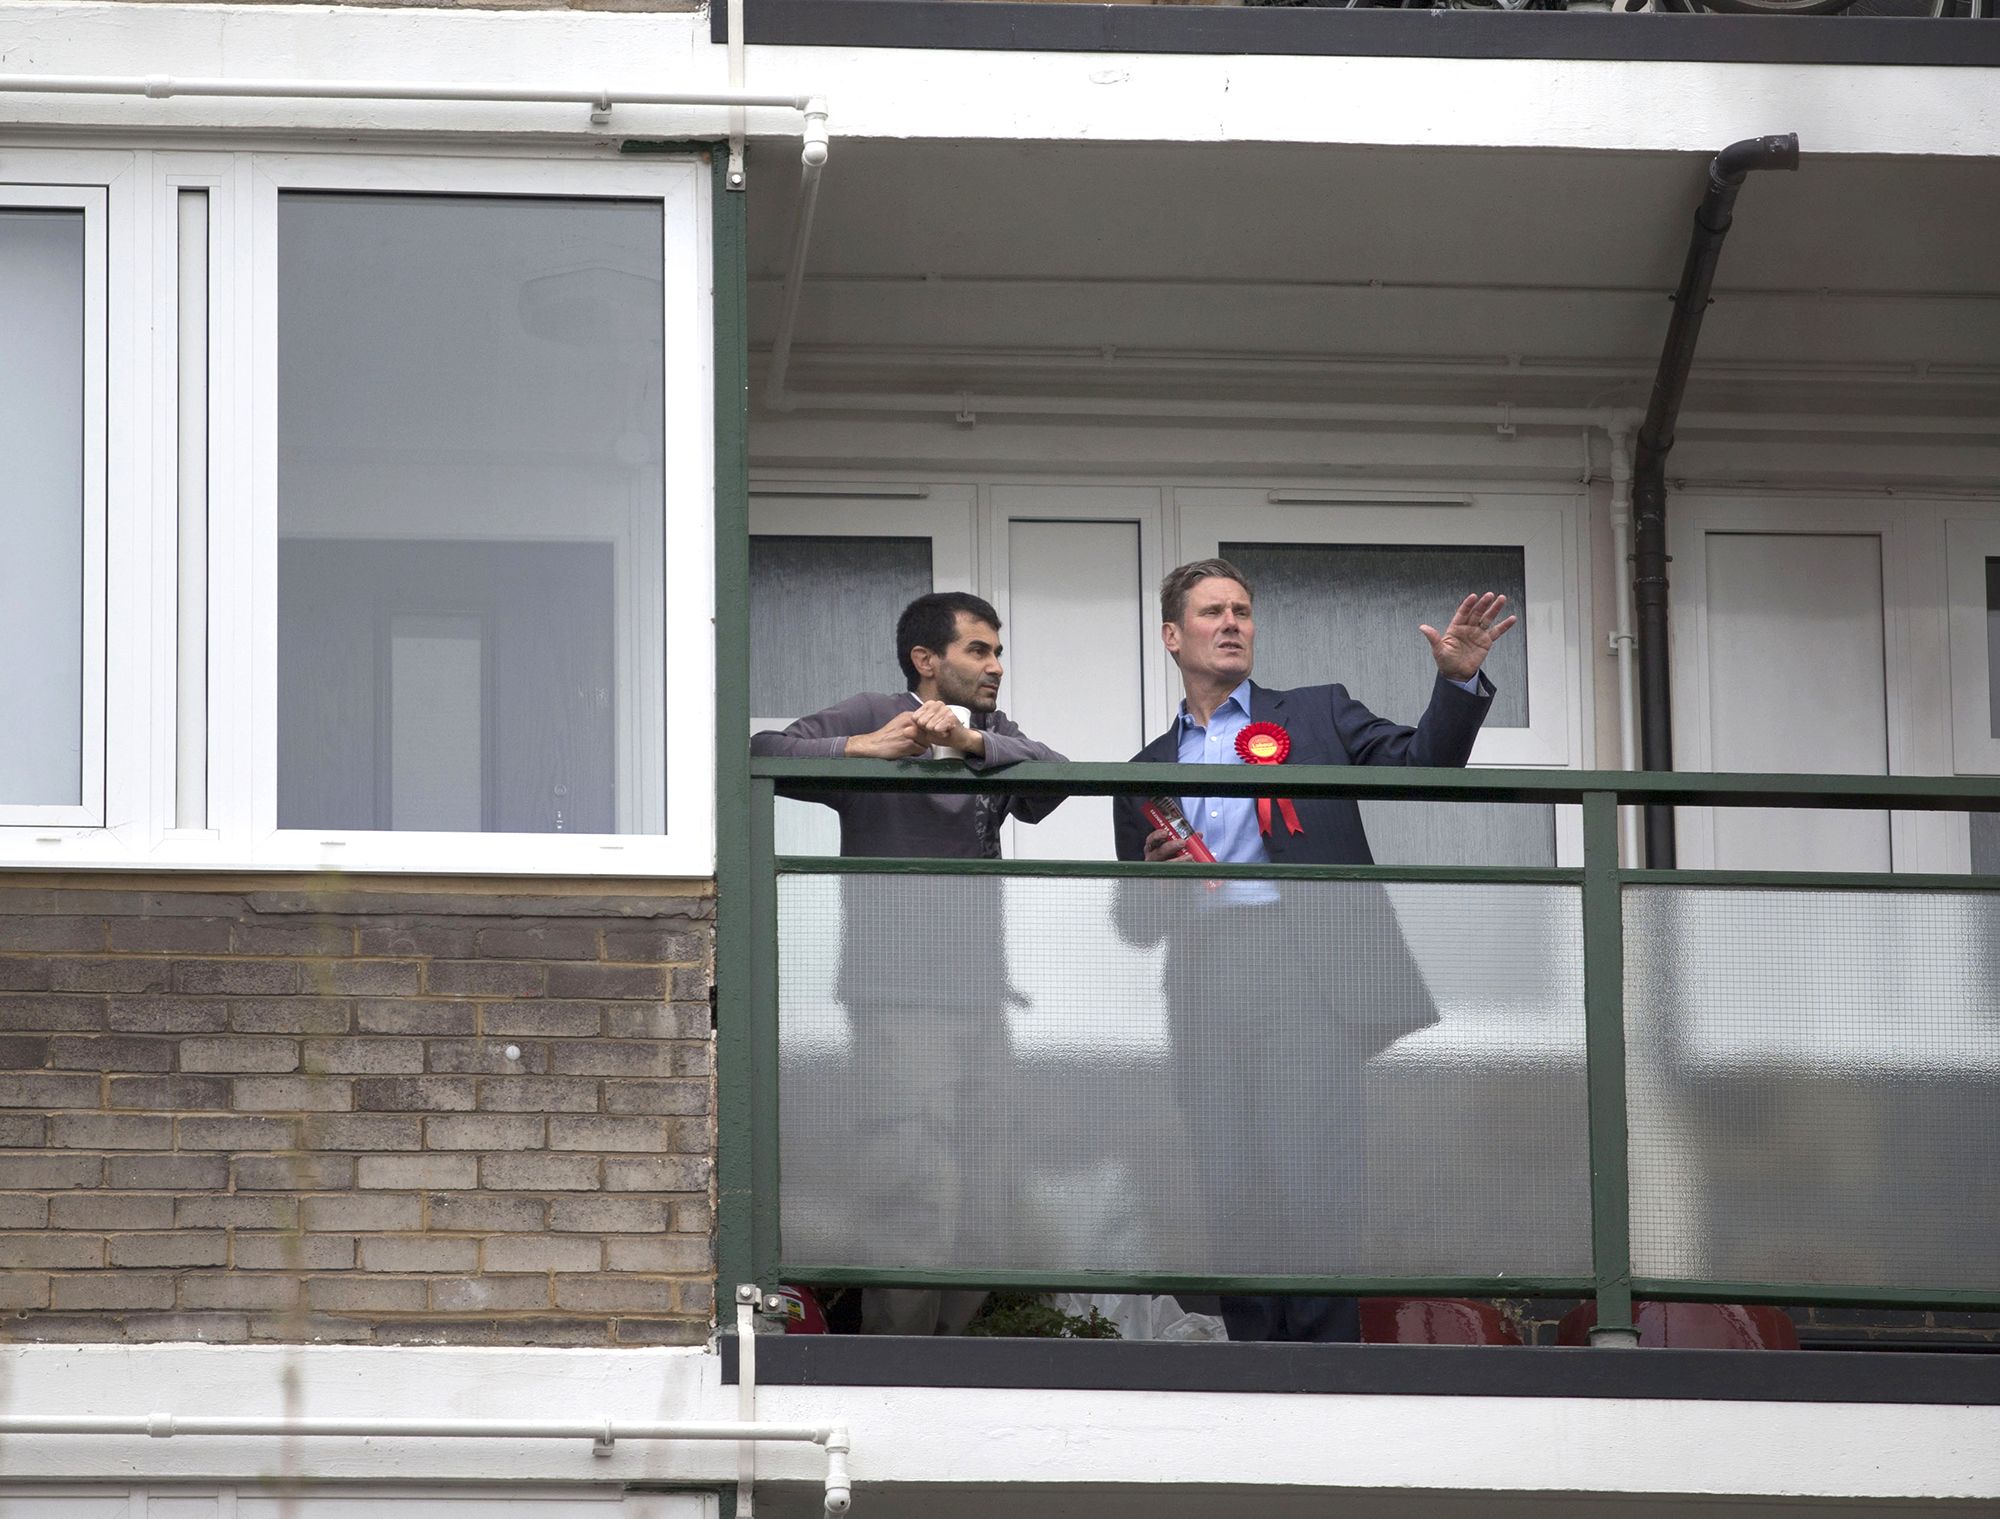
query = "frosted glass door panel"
{"x": 42, "y": 427}
{"x": 823, "y": 615}
{"x": 1350, "y": 613}
{"x": 1795, "y": 672}
{"x": 823, "y": 610}
{"x": 1075, "y": 676}
{"x": 470, "y": 426}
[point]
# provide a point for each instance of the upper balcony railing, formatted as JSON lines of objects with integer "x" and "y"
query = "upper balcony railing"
{"x": 1594, "y": 1081}
{"x": 1705, "y": 31}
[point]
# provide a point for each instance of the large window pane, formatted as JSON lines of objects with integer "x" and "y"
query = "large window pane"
{"x": 42, "y": 405}
{"x": 1349, "y": 612}
{"x": 471, "y": 577}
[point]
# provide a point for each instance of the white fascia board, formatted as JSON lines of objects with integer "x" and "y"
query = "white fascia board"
{"x": 1617, "y": 106}
{"x": 938, "y": 94}
{"x": 974, "y": 1437}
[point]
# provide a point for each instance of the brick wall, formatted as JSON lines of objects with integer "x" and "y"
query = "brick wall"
{"x": 273, "y": 1111}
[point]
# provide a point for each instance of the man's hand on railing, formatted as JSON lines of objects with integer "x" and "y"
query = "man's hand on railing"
{"x": 898, "y": 738}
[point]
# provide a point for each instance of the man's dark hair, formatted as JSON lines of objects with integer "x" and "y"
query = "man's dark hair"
{"x": 931, "y": 622}
{"x": 1174, "y": 589}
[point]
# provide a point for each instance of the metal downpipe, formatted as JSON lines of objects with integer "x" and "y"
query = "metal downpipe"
{"x": 1649, "y": 464}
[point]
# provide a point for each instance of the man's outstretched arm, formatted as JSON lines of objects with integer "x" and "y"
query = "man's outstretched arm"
{"x": 1444, "y": 735}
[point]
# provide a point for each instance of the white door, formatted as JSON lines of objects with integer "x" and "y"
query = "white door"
{"x": 1073, "y": 569}
{"x": 1809, "y": 639}
{"x": 1797, "y": 683}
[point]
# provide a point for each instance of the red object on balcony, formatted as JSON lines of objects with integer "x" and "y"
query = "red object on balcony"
{"x": 1434, "y": 1321}
{"x": 803, "y": 1314}
{"x": 1693, "y": 1326}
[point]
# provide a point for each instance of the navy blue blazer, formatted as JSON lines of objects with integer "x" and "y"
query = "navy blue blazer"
{"x": 1365, "y": 981}
{"x": 1329, "y": 727}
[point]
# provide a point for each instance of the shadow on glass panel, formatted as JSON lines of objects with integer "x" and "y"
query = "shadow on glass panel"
{"x": 1812, "y": 1079}
{"x": 1146, "y": 1076}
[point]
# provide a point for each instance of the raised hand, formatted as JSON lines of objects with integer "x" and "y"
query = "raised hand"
{"x": 898, "y": 738}
{"x": 1473, "y": 630}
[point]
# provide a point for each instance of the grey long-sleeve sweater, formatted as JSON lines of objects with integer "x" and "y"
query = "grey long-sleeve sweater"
{"x": 913, "y": 825}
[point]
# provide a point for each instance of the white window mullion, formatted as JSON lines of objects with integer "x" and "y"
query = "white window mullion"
{"x": 192, "y": 216}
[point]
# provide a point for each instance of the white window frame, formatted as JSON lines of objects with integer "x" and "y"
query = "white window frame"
{"x": 1969, "y": 543}
{"x": 83, "y": 183}
{"x": 821, "y": 509}
{"x": 243, "y": 706}
{"x": 1542, "y": 527}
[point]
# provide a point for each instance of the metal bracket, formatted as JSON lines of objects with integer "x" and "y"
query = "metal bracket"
{"x": 748, "y": 1296}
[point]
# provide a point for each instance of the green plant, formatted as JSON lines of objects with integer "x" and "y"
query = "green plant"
{"x": 1031, "y": 1316}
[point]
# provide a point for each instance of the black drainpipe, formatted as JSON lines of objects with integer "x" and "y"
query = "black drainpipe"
{"x": 1649, "y": 460}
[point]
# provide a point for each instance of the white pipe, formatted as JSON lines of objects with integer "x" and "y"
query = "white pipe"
{"x": 1134, "y": 406}
{"x": 163, "y": 86}
{"x": 1497, "y": 416}
{"x": 746, "y": 1397}
{"x": 599, "y": 99}
{"x": 795, "y": 274}
{"x": 602, "y": 1433}
{"x": 1622, "y": 638}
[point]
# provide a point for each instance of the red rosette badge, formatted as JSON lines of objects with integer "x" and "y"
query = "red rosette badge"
{"x": 1268, "y": 744}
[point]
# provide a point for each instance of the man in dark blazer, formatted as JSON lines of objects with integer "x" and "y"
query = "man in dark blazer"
{"x": 1278, "y": 993}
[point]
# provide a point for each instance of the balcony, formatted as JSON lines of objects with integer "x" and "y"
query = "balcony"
{"x": 1590, "y": 1082}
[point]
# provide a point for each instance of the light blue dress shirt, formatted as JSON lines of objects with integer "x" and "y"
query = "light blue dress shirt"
{"x": 1227, "y": 824}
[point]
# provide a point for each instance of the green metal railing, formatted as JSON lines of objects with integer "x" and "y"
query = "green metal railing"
{"x": 749, "y": 1243}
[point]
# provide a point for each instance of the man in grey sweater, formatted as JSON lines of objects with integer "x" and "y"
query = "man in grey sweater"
{"x": 929, "y": 1050}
